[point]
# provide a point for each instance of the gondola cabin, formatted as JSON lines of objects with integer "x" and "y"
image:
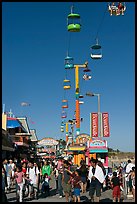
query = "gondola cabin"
{"x": 81, "y": 99}
{"x": 86, "y": 70}
{"x": 81, "y": 96}
{"x": 73, "y": 22}
{"x": 69, "y": 63}
{"x": 64, "y": 103}
{"x": 63, "y": 114}
{"x": 81, "y": 102}
{"x": 96, "y": 52}
{"x": 87, "y": 77}
{"x": 62, "y": 127}
{"x": 117, "y": 9}
{"x": 66, "y": 84}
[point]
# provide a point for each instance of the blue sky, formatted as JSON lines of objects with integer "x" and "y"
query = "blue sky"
{"x": 35, "y": 42}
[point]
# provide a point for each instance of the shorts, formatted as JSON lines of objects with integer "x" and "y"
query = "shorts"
{"x": 116, "y": 192}
{"x": 77, "y": 191}
{"x": 83, "y": 179}
{"x": 12, "y": 173}
{"x": 66, "y": 187}
{"x": 95, "y": 185}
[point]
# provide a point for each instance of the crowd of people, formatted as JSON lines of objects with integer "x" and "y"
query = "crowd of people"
{"x": 32, "y": 179}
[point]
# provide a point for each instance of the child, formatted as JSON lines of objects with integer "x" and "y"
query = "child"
{"x": 19, "y": 177}
{"x": 45, "y": 184}
{"x": 116, "y": 187}
{"x": 76, "y": 184}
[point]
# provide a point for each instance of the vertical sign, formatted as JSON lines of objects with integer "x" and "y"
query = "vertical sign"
{"x": 105, "y": 121}
{"x": 94, "y": 124}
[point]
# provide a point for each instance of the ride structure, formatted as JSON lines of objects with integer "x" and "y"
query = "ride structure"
{"x": 82, "y": 145}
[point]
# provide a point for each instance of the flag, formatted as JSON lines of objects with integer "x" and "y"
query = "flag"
{"x": 94, "y": 124}
{"x": 31, "y": 121}
{"x": 25, "y": 104}
{"x": 105, "y": 118}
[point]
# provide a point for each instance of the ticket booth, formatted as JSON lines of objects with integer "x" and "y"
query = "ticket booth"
{"x": 99, "y": 149}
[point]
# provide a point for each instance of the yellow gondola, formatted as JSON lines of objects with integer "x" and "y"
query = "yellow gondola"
{"x": 66, "y": 84}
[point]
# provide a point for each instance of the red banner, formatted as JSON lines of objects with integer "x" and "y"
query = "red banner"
{"x": 94, "y": 124}
{"x": 105, "y": 121}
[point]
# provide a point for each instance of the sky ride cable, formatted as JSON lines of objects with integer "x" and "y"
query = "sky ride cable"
{"x": 101, "y": 22}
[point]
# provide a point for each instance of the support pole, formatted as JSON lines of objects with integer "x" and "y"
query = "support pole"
{"x": 77, "y": 99}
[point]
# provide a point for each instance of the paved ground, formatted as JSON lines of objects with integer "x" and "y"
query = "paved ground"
{"x": 105, "y": 197}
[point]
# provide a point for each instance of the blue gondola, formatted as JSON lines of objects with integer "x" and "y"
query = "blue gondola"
{"x": 69, "y": 63}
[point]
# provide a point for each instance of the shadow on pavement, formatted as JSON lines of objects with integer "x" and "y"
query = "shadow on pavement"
{"x": 84, "y": 199}
{"x": 106, "y": 200}
{"x": 11, "y": 199}
{"x": 53, "y": 192}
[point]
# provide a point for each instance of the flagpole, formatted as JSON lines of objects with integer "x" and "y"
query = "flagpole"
{"x": 3, "y": 108}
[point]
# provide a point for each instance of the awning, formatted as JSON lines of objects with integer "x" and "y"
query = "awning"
{"x": 14, "y": 123}
{"x": 101, "y": 150}
{"x": 78, "y": 148}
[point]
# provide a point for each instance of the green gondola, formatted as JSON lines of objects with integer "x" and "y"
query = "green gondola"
{"x": 73, "y": 22}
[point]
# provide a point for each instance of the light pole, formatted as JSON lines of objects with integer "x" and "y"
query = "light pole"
{"x": 99, "y": 113}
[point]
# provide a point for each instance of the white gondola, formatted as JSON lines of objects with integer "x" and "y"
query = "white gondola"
{"x": 87, "y": 77}
{"x": 81, "y": 102}
{"x": 96, "y": 51}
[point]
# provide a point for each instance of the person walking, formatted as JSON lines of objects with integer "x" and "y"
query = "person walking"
{"x": 20, "y": 180}
{"x": 46, "y": 168}
{"x": 8, "y": 170}
{"x": 60, "y": 188}
{"x": 55, "y": 174}
{"x": 133, "y": 181}
{"x": 76, "y": 184}
{"x": 83, "y": 172}
{"x": 32, "y": 175}
{"x": 4, "y": 184}
{"x": 11, "y": 163}
{"x": 96, "y": 177}
{"x": 115, "y": 183}
{"x": 128, "y": 176}
{"x": 66, "y": 178}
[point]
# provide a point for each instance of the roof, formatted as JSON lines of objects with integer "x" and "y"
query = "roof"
{"x": 14, "y": 123}
{"x": 23, "y": 121}
{"x": 33, "y": 136}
